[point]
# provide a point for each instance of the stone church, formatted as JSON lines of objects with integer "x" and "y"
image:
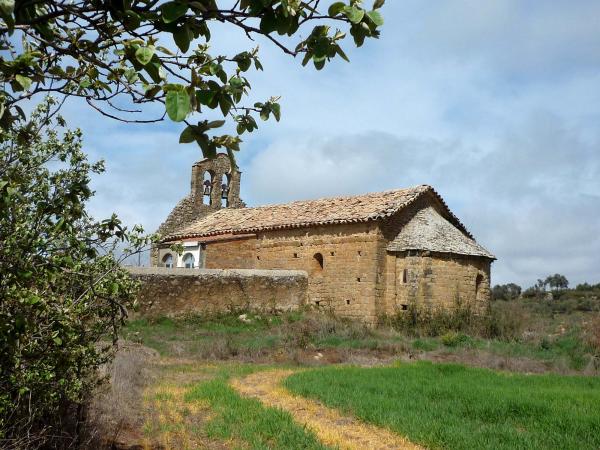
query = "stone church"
{"x": 365, "y": 255}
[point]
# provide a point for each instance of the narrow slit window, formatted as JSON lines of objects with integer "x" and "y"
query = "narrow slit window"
{"x": 405, "y": 276}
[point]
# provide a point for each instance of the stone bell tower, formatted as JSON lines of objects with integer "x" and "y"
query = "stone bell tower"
{"x": 215, "y": 185}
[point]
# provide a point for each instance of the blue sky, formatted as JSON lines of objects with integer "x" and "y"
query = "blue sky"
{"x": 495, "y": 104}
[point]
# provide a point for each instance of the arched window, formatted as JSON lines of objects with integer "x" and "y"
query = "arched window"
{"x": 317, "y": 263}
{"x": 189, "y": 261}
{"x": 207, "y": 187}
{"x": 168, "y": 261}
{"x": 478, "y": 283}
{"x": 225, "y": 181}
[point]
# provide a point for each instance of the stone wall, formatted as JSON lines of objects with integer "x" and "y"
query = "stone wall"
{"x": 348, "y": 279}
{"x": 436, "y": 281}
{"x": 232, "y": 254}
{"x": 177, "y": 291}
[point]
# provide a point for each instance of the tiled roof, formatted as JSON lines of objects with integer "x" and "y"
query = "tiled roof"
{"x": 336, "y": 210}
{"x": 428, "y": 230}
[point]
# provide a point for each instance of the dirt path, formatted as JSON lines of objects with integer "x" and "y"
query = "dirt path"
{"x": 329, "y": 425}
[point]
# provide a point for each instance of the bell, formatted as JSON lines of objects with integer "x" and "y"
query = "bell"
{"x": 224, "y": 191}
{"x": 207, "y": 187}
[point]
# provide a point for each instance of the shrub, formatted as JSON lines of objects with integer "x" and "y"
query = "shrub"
{"x": 62, "y": 290}
{"x": 502, "y": 320}
{"x": 453, "y": 339}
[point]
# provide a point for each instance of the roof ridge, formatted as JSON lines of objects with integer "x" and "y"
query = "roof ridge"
{"x": 339, "y": 197}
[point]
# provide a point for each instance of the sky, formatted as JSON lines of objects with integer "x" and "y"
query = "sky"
{"x": 494, "y": 104}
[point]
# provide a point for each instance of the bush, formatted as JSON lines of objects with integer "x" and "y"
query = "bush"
{"x": 453, "y": 339}
{"x": 62, "y": 291}
{"x": 502, "y": 321}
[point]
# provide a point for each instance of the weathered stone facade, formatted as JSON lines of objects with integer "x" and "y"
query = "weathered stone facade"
{"x": 365, "y": 256}
{"x": 179, "y": 291}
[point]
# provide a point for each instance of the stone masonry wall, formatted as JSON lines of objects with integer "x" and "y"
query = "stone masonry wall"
{"x": 438, "y": 281}
{"x": 348, "y": 279}
{"x": 347, "y": 282}
{"x": 177, "y": 291}
{"x": 231, "y": 254}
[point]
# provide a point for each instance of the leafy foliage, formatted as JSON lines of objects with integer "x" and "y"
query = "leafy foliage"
{"x": 62, "y": 289}
{"x": 508, "y": 291}
{"x": 118, "y": 52}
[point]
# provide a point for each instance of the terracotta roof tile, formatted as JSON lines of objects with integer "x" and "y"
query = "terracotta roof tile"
{"x": 336, "y": 210}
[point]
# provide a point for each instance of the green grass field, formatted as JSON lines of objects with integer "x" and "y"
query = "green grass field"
{"x": 456, "y": 407}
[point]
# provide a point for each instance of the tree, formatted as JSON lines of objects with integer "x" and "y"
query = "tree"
{"x": 119, "y": 55}
{"x": 63, "y": 293}
{"x": 508, "y": 291}
{"x": 557, "y": 281}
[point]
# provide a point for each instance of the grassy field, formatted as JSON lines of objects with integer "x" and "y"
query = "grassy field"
{"x": 171, "y": 379}
{"x": 452, "y": 406}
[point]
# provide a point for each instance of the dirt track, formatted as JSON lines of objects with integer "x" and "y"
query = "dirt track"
{"x": 329, "y": 425}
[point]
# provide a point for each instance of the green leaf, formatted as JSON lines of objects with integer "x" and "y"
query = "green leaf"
{"x": 225, "y": 104}
{"x": 243, "y": 61}
{"x": 188, "y": 135}
{"x": 131, "y": 75}
{"x": 171, "y": 11}
{"x": 340, "y": 52}
{"x": 144, "y": 54}
{"x": 355, "y": 15}
{"x": 336, "y": 8}
{"x": 378, "y": 4}
{"x": 178, "y": 105}
{"x": 376, "y": 17}
{"x": 276, "y": 108}
{"x": 24, "y": 82}
{"x": 268, "y": 24}
{"x": 57, "y": 340}
{"x": 7, "y": 7}
{"x": 215, "y": 124}
{"x": 182, "y": 38}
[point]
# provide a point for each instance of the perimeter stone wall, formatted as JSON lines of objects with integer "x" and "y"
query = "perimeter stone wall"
{"x": 172, "y": 292}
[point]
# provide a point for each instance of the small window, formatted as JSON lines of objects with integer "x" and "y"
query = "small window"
{"x": 318, "y": 261}
{"x": 332, "y": 253}
{"x": 295, "y": 255}
{"x": 189, "y": 261}
{"x": 318, "y": 303}
{"x": 168, "y": 261}
{"x": 404, "y": 307}
{"x": 358, "y": 279}
{"x": 258, "y": 257}
{"x": 347, "y": 302}
{"x": 405, "y": 276}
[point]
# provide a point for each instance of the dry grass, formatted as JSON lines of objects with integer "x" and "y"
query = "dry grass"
{"x": 116, "y": 414}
